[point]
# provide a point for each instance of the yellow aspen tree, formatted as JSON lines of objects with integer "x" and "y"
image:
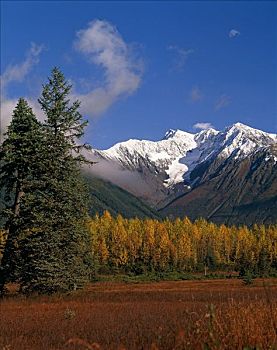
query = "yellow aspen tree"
{"x": 118, "y": 247}
{"x": 245, "y": 250}
{"x": 215, "y": 244}
{"x": 226, "y": 241}
{"x": 184, "y": 251}
{"x": 148, "y": 243}
{"x": 134, "y": 239}
{"x": 162, "y": 247}
{"x": 102, "y": 252}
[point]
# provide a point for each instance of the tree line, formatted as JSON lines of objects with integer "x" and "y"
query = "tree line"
{"x": 140, "y": 246}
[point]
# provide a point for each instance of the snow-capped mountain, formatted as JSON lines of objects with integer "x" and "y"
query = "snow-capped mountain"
{"x": 160, "y": 171}
{"x": 235, "y": 190}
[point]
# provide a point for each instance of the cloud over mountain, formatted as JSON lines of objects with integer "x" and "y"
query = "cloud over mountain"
{"x": 202, "y": 126}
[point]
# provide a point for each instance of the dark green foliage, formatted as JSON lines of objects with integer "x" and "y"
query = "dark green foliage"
{"x": 64, "y": 122}
{"x": 264, "y": 262}
{"x": 43, "y": 271}
{"x": 2, "y": 207}
{"x": 106, "y": 196}
{"x": 248, "y": 277}
{"x": 244, "y": 266}
{"x": 210, "y": 258}
{"x": 48, "y": 245}
{"x": 56, "y": 255}
{"x": 19, "y": 156}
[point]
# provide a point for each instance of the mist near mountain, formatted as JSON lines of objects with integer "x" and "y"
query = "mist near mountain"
{"x": 198, "y": 174}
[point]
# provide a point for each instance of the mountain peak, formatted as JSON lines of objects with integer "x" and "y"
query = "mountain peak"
{"x": 176, "y": 133}
{"x": 241, "y": 125}
{"x": 206, "y": 134}
{"x": 238, "y": 127}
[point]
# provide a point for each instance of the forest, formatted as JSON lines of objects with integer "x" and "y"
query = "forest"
{"x": 143, "y": 246}
{"x": 139, "y": 246}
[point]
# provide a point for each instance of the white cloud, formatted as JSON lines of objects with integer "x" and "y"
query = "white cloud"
{"x": 181, "y": 56}
{"x": 222, "y": 102}
{"x": 103, "y": 45}
{"x": 7, "y": 106}
{"x": 202, "y": 126}
{"x": 195, "y": 94}
{"x": 17, "y": 73}
{"x": 234, "y": 33}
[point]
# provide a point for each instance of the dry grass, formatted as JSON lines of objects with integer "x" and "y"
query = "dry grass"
{"x": 223, "y": 314}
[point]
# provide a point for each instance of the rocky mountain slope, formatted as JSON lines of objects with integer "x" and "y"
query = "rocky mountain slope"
{"x": 215, "y": 174}
{"x": 234, "y": 191}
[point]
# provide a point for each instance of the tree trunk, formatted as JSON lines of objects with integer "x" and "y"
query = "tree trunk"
{"x": 9, "y": 255}
{"x": 18, "y": 195}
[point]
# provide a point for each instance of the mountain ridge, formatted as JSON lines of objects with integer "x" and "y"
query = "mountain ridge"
{"x": 183, "y": 165}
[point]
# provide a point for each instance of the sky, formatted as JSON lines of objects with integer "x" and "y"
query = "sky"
{"x": 141, "y": 68}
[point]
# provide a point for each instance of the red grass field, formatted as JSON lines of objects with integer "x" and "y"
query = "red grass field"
{"x": 211, "y": 314}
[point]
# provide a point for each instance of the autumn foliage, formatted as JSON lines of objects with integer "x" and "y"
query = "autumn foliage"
{"x": 135, "y": 245}
{"x": 140, "y": 246}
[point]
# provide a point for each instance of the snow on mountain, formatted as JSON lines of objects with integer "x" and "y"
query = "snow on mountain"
{"x": 241, "y": 140}
{"x": 154, "y": 169}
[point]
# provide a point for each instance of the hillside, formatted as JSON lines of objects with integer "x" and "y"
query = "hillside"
{"x": 106, "y": 196}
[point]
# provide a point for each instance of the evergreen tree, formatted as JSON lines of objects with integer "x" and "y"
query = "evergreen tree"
{"x": 264, "y": 262}
{"x": 56, "y": 252}
{"x": 18, "y": 158}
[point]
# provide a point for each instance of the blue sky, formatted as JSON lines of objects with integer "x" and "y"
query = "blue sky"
{"x": 141, "y": 68}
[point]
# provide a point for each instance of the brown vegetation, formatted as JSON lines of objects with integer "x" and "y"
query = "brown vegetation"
{"x": 223, "y": 314}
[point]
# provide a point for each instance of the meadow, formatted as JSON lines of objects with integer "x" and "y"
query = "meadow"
{"x": 204, "y": 314}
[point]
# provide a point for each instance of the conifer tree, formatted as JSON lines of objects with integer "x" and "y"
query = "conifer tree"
{"x": 18, "y": 158}
{"x": 56, "y": 256}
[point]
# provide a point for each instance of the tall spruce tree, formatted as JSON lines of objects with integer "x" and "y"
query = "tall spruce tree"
{"x": 18, "y": 159}
{"x": 56, "y": 252}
